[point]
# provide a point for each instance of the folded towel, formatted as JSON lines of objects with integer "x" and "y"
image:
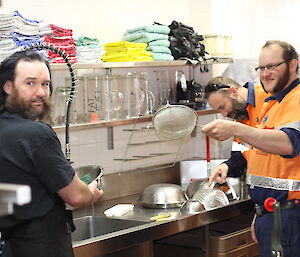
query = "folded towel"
{"x": 144, "y": 37}
{"x": 160, "y": 42}
{"x": 159, "y": 49}
{"x": 122, "y": 45}
{"x": 162, "y": 57}
{"x": 87, "y": 39}
{"x": 126, "y": 58}
{"x": 152, "y": 28}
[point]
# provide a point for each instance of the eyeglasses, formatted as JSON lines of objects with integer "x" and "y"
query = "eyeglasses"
{"x": 271, "y": 67}
{"x": 214, "y": 87}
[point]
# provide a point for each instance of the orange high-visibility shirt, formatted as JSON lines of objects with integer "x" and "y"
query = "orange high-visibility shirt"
{"x": 277, "y": 115}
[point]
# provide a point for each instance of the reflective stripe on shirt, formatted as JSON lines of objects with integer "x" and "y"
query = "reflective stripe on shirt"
{"x": 294, "y": 125}
{"x": 273, "y": 183}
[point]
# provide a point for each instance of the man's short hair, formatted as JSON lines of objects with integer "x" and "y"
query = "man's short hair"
{"x": 219, "y": 84}
{"x": 289, "y": 52}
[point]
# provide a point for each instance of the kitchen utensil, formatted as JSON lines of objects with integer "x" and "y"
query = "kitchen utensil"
{"x": 208, "y": 156}
{"x": 161, "y": 217}
{"x": 199, "y": 184}
{"x": 135, "y": 96}
{"x": 211, "y": 198}
{"x": 163, "y": 89}
{"x": 194, "y": 186}
{"x": 162, "y": 196}
{"x": 192, "y": 206}
{"x": 174, "y": 121}
{"x": 112, "y": 98}
{"x": 90, "y": 173}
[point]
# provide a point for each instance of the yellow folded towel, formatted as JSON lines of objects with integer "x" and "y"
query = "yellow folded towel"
{"x": 124, "y": 45}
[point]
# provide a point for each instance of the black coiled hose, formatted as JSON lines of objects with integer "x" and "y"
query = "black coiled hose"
{"x": 40, "y": 46}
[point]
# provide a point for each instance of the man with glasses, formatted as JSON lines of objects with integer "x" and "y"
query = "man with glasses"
{"x": 273, "y": 168}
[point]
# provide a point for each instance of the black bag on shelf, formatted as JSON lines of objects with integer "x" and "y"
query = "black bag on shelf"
{"x": 185, "y": 43}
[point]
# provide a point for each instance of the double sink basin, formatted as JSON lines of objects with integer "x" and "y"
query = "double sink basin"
{"x": 92, "y": 226}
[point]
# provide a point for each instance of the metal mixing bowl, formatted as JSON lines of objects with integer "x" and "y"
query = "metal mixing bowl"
{"x": 163, "y": 196}
{"x": 194, "y": 186}
{"x": 192, "y": 206}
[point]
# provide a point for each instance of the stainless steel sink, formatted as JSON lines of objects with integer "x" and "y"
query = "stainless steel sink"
{"x": 92, "y": 226}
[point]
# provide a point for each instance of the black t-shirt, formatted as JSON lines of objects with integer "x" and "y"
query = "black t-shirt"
{"x": 31, "y": 154}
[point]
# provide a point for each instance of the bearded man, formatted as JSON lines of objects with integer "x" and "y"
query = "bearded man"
{"x": 273, "y": 167}
{"x": 31, "y": 154}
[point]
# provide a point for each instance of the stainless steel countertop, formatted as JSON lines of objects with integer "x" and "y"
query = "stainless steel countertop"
{"x": 153, "y": 230}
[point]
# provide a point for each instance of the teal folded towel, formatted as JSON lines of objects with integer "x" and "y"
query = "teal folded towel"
{"x": 159, "y": 49}
{"x": 162, "y": 57}
{"x": 152, "y": 28}
{"x": 160, "y": 42}
{"x": 144, "y": 37}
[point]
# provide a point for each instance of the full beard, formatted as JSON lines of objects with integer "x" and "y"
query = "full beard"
{"x": 281, "y": 83}
{"x": 239, "y": 111}
{"x": 18, "y": 105}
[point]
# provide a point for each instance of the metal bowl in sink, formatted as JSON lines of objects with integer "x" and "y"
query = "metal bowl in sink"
{"x": 163, "y": 196}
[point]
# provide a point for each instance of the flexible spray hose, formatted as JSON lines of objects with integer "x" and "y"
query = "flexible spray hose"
{"x": 40, "y": 46}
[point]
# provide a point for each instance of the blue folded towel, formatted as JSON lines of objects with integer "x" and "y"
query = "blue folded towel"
{"x": 152, "y": 29}
{"x": 144, "y": 37}
{"x": 162, "y": 57}
{"x": 159, "y": 49}
{"x": 160, "y": 42}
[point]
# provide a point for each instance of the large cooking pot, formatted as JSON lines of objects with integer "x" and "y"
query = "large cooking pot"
{"x": 162, "y": 196}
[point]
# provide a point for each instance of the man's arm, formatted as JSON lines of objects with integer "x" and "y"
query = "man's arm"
{"x": 268, "y": 140}
{"x": 77, "y": 193}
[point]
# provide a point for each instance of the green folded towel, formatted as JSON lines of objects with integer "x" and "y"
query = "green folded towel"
{"x": 152, "y": 28}
{"x": 159, "y": 49}
{"x": 144, "y": 37}
{"x": 160, "y": 42}
{"x": 162, "y": 57}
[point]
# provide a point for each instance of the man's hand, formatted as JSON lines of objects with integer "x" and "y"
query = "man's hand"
{"x": 95, "y": 191}
{"x": 219, "y": 174}
{"x": 219, "y": 129}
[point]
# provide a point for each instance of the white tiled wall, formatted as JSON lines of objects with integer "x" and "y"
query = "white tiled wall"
{"x": 90, "y": 147}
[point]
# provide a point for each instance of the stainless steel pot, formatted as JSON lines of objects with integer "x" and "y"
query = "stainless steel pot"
{"x": 163, "y": 196}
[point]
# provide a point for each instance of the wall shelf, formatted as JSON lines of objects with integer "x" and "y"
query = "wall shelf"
{"x": 114, "y": 123}
{"x": 107, "y": 65}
